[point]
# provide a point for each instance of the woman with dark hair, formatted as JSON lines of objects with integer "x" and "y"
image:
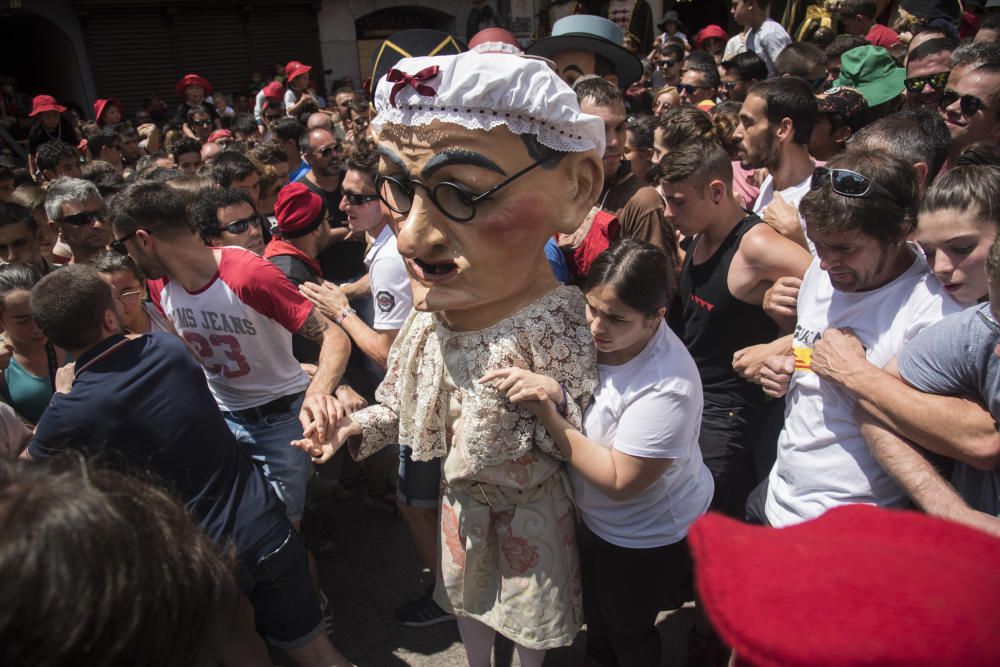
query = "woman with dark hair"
{"x": 636, "y": 468}
{"x": 29, "y": 380}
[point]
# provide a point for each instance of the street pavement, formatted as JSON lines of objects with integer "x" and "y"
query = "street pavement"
{"x": 375, "y": 568}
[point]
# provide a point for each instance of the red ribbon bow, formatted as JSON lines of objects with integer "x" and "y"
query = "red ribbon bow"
{"x": 401, "y": 80}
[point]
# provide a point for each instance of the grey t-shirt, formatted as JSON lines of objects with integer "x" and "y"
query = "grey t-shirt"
{"x": 955, "y": 357}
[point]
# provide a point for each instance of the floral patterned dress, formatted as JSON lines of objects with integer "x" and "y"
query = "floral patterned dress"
{"x": 508, "y": 544}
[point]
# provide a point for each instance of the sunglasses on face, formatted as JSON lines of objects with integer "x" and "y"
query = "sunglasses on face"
{"x": 83, "y": 218}
{"x": 358, "y": 199}
{"x": 202, "y": 123}
{"x": 915, "y": 84}
{"x": 240, "y": 226}
{"x": 666, "y": 64}
{"x": 327, "y": 151}
{"x": 118, "y": 245}
{"x": 689, "y": 88}
{"x": 729, "y": 85}
{"x": 968, "y": 104}
{"x": 846, "y": 183}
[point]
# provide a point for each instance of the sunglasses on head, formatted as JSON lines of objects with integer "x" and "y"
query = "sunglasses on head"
{"x": 203, "y": 123}
{"x": 846, "y": 183}
{"x": 240, "y": 226}
{"x": 357, "y": 199}
{"x": 968, "y": 104}
{"x": 83, "y": 218}
{"x": 915, "y": 84}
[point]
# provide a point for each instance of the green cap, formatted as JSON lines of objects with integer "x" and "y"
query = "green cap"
{"x": 873, "y": 72}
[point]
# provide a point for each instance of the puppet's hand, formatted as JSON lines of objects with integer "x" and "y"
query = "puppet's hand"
{"x": 521, "y": 386}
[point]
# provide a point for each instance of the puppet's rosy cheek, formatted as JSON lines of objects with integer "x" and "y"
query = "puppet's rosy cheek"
{"x": 520, "y": 221}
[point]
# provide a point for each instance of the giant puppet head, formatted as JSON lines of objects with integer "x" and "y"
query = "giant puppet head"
{"x": 484, "y": 158}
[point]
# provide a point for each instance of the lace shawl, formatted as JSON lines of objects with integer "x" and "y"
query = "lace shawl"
{"x": 550, "y": 337}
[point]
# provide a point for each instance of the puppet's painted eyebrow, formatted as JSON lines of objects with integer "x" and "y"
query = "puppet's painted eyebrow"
{"x": 459, "y": 156}
{"x": 572, "y": 68}
{"x": 392, "y": 157}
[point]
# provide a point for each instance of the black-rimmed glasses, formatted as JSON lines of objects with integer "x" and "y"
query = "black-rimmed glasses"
{"x": 968, "y": 104}
{"x": 83, "y": 218}
{"x": 915, "y": 84}
{"x": 846, "y": 183}
{"x": 358, "y": 199}
{"x": 118, "y": 245}
{"x": 240, "y": 226}
{"x": 455, "y": 201}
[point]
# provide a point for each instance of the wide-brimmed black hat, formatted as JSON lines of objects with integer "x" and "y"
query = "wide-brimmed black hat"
{"x": 593, "y": 34}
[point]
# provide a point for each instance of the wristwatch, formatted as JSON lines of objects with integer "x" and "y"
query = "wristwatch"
{"x": 344, "y": 313}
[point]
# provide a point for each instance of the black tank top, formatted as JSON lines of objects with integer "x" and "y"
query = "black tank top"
{"x": 715, "y": 324}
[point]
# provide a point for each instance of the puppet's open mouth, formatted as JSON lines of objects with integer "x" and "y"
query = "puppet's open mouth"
{"x": 432, "y": 271}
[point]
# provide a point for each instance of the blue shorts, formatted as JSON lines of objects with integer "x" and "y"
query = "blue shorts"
{"x": 268, "y": 442}
{"x": 419, "y": 484}
{"x": 278, "y": 585}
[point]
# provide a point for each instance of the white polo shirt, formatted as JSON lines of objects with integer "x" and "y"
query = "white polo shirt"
{"x": 390, "y": 283}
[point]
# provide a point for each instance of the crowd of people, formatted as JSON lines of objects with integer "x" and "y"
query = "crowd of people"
{"x": 552, "y": 303}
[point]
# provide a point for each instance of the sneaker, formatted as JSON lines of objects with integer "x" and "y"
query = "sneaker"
{"x": 422, "y": 612}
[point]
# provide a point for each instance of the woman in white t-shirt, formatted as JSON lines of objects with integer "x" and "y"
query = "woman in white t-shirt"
{"x": 637, "y": 471}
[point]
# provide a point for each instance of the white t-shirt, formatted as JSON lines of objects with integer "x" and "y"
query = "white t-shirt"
{"x": 241, "y": 327}
{"x": 792, "y": 194}
{"x": 649, "y": 407}
{"x": 391, "y": 291}
{"x": 822, "y": 460}
{"x": 767, "y": 42}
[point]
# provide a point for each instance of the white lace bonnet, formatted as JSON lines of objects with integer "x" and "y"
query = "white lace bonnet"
{"x": 482, "y": 91}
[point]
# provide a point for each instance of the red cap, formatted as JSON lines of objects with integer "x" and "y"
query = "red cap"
{"x": 192, "y": 80}
{"x": 858, "y": 586}
{"x": 43, "y": 103}
{"x": 101, "y": 105}
{"x": 274, "y": 91}
{"x": 708, "y": 32}
{"x": 298, "y": 210}
{"x": 219, "y": 134}
{"x": 294, "y": 69}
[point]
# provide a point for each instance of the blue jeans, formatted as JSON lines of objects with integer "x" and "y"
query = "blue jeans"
{"x": 268, "y": 441}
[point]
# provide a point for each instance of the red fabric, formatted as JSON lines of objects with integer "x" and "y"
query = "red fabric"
{"x": 708, "y": 32}
{"x": 261, "y": 285}
{"x": 101, "y": 105}
{"x": 192, "y": 80}
{"x": 276, "y": 247}
{"x": 294, "y": 69}
{"x": 858, "y": 586}
{"x": 400, "y": 79}
{"x": 603, "y": 232}
{"x": 219, "y": 134}
{"x": 274, "y": 91}
{"x": 296, "y": 208}
{"x": 883, "y": 36}
{"x": 43, "y": 103}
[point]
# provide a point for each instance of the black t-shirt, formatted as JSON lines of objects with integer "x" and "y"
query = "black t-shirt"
{"x": 146, "y": 408}
{"x": 65, "y": 133}
{"x": 715, "y": 324}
